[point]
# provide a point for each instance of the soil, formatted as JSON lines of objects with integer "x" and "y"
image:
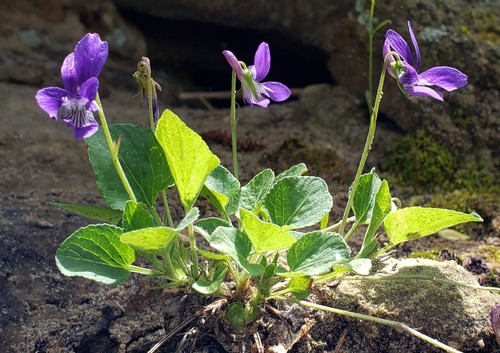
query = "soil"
{"x": 43, "y": 311}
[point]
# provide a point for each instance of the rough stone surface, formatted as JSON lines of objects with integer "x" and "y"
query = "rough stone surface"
{"x": 458, "y": 317}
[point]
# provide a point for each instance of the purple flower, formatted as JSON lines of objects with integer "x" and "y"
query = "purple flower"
{"x": 75, "y": 103}
{"x": 406, "y": 70}
{"x": 256, "y": 92}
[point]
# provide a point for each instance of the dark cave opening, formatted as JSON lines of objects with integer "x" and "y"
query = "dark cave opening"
{"x": 187, "y": 55}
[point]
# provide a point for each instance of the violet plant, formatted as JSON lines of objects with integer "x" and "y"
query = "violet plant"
{"x": 261, "y": 244}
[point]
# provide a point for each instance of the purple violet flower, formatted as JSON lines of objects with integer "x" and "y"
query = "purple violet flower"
{"x": 256, "y": 92}
{"x": 75, "y": 103}
{"x": 406, "y": 70}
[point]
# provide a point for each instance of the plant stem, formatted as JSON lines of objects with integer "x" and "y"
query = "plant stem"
{"x": 416, "y": 277}
{"x": 337, "y": 225}
{"x": 232, "y": 114}
{"x": 150, "y": 99}
{"x": 113, "y": 149}
{"x": 194, "y": 256}
{"x": 368, "y": 144}
{"x": 352, "y": 230}
{"x": 149, "y": 89}
{"x": 391, "y": 323}
{"x": 143, "y": 271}
{"x": 168, "y": 215}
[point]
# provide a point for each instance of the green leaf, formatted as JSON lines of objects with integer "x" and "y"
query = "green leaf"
{"x": 300, "y": 286}
{"x": 188, "y": 156}
{"x": 212, "y": 255}
{"x": 264, "y": 236}
{"x": 222, "y": 189}
{"x": 235, "y": 315}
{"x": 103, "y": 214}
{"x": 359, "y": 266}
{"x": 296, "y": 170}
{"x": 210, "y": 287}
{"x": 298, "y": 201}
{"x": 149, "y": 240}
{"x": 254, "y": 191}
{"x": 136, "y": 216}
{"x": 381, "y": 209}
{"x": 96, "y": 252}
{"x": 233, "y": 242}
{"x": 141, "y": 158}
{"x": 206, "y": 226}
{"x": 364, "y": 198}
{"x": 189, "y": 218}
{"x": 317, "y": 252}
{"x": 416, "y": 222}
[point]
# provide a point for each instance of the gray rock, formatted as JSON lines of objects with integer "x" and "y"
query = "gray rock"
{"x": 456, "y": 316}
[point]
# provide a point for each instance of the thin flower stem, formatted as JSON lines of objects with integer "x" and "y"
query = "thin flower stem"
{"x": 337, "y": 225}
{"x": 150, "y": 99}
{"x": 150, "y": 88}
{"x": 352, "y": 230}
{"x": 168, "y": 215}
{"x": 391, "y": 323}
{"x": 143, "y": 271}
{"x": 233, "y": 124}
{"x": 194, "y": 256}
{"x": 113, "y": 149}
{"x": 368, "y": 144}
{"x": 416, "y": 277}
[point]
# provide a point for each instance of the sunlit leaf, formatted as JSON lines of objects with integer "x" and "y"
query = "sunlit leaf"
{"x": 264, "y": 236}
{"x": 222, "y": 189}
{"x": 298, "y": 201}
{"x": 416, "y": 222}
{"x": 99, "y": 213}
{"x": 96, "y": 252}
{"x": 253, "y": 193}
{"x": 189, "y": 158}
{"x": 317, "y": 252}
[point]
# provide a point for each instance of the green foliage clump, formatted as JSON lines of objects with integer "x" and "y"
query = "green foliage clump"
{"x": 432, "y": 254}
{"x": 421, "y": 162}
{"x": 485, "y": 201}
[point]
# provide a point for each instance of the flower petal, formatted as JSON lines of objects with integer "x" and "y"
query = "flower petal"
{"x": 411, "y": 82}
{"x": 87, "y": 131}
{"x": 89, "y": 88}
{"x": 445, "y": 77}
{"x": 399, "y": 45}
{"x": 425, "y": 91}
{"x": 235, "y": 64}
{"x": 90, "y": 55}
{"x": 415, "y": 45}
{"x": 276, "y": 91}
{"x": 68, "y": 74}
{"x": 250, "y": 99}
{"x": 50, "y": 100}
{"x": 262, "y": 61}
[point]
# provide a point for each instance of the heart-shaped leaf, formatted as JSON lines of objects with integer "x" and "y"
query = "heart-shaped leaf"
{"x": 96, "y": 252}
{"x": 298, "y": 201}
{"x": 142, "y": 160}
{"x": 415, "y": 222}
{"x": 189, "y": 158}
{"x": 264, "y": 236}
{"x": 317, "y": 252}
